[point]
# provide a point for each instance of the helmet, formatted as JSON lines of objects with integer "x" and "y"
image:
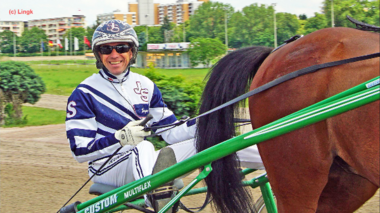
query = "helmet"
{"x": 114, "y": 31}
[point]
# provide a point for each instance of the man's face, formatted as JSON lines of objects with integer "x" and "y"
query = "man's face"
{"x": 116, "y": 62}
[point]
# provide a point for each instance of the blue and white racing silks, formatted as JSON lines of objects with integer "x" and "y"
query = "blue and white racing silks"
{"x": 103, "y": 104}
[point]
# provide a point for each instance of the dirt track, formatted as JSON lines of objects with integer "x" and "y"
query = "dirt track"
{"x": 38, "y": 173}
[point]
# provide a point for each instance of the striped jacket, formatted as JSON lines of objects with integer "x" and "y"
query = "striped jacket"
{"x": 103, "y": 104}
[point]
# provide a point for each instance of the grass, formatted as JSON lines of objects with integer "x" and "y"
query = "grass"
{"x": 41, "y": 116}
{"x": 62, "y": 62}
{"x": 62, "y": 79}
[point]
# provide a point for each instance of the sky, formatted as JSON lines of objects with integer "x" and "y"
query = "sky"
{"x": 12, "y": 10}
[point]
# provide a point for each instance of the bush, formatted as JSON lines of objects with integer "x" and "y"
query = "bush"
{"x": 10, "y": 118}
{"x": 18, "y": 84}
{"x": 180, "y": 97}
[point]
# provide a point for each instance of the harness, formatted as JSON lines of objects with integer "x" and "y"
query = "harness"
{"x": 264, "y": 87}
{"x": 282, "y": 79}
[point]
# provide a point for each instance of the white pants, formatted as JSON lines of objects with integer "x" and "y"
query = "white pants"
{"x": 132, "y": 164}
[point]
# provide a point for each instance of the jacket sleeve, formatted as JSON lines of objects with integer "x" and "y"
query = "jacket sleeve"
{"x": 162, "y": 116}
{"x": 87, "y": 141}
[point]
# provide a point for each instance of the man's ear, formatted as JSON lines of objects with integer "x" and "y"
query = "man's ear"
{"x": 130, "y": 55}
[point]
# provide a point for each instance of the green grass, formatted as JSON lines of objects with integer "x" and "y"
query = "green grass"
{"x": 41, "y": 116}
{"x": 62, "y": 79}
{"x": 62, "y": 62}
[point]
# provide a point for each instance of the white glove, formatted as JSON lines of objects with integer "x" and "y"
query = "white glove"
{"x": 131, "y": 134}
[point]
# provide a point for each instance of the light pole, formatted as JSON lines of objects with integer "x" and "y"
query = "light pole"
{"x": 147, "y": 36}
{"x": 14, "y": 44}
{"x": 274, "y": 23}
{"x": 225, "y": 28}
{"x": 71, "y": 52}
{"x": 183, "y": 26}
{"x": 332, "y": 13}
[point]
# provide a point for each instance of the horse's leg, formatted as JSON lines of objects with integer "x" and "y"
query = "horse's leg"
{"x": 345, "y": 191}
{"x": 297, "y": 168}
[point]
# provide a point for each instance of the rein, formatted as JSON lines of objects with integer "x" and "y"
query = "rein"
{"x": 264, "y": 87}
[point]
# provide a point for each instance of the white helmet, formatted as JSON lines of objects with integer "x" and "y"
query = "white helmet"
{"x": 114, "y": 31}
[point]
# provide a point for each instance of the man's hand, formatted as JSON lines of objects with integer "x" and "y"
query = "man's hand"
{"x": 131, "y": 134}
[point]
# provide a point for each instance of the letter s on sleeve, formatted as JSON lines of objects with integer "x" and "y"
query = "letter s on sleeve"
{"x": 71, "y": 111}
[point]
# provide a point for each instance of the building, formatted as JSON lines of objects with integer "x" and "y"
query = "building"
{"x": 55, "y": 28}
{"x": 177, "y": 12}
{"x": 129, "y": 17}
{"x": 145, "y": 12}
{"x": 14, "y": 26}
{"x": 166, "y": 55}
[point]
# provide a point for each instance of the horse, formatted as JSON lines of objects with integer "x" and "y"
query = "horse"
{"x": 330, "y": 166}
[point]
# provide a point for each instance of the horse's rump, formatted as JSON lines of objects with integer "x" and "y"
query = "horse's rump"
{"x": 312, "y": 168}
{"x": 351, "y": 138}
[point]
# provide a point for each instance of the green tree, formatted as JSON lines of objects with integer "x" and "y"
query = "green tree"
{"x": 96, "y": 24}
{"x": 79, "y": 33}
{"x": 203, "y": 50}
{"x": 155, "y": 35}
{"x": 166, "y": 29}
{"x": 209, "y": 21}
{"x": 18, "y": 84}
{"x": 6, "y": 41}
{"x": 302, "y": 17}
{"x": 315, "y": 23}
{"x": 142, "y": 41}
{"x": 180, "y": 32}
{"x": 31, "y": 39}
{"x": 287, "y": 26}
{"x": 363, "y": 10}
{"x": 254, "y": 25}
{"x": 89, "y": 33}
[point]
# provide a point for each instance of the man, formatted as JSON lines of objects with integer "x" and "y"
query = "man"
{"x": 105, "y": 110}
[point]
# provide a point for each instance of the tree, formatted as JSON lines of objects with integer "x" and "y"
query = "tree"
{"x": 6, "y": 41}
{"x": 209, "y": 21}
{"x": 315, "y": 23}
{"x": 18, "y": 84}
{"x": 155, "y": 35}
{"x": 142, "y": 41}
{"x": 287, "y": 26}
{"x": 254, "y": 25}
{"x": 363, "y": 10}
{"x": 77, "y": 32}
{"x": 31, "y": 39}
{"x": 302, "y": 17}
{"x": 203, "y": 50}
{"x": 166, "y": 29}
{"x": 89, "y": 33}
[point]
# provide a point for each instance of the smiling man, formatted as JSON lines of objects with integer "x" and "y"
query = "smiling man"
{"x": 105, "y": 110}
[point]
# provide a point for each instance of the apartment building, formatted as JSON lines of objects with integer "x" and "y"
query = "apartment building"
{"x": 145, "y": 12}
{"x": 177, "y": 12}
{"x": 129, "y": 17}
{"x": 55, "y": 28}
{"x": 14, "y": 26}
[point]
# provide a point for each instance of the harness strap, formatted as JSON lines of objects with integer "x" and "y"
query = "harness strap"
{"x": 197, "y": 209}
{"x": 278, "y": 81}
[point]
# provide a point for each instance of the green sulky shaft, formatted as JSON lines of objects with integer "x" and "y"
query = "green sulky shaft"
{"x": 137, "y": 188}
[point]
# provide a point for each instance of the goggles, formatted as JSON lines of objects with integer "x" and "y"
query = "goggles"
{"x": 120, "y": 48}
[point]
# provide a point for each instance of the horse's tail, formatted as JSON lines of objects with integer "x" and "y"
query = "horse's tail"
{"x": 229, "y": 78}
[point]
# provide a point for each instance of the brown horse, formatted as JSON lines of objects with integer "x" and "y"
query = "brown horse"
{"x": 331, "y": 166}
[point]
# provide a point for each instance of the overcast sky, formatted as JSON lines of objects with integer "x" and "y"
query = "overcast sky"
{"x": 42, "y": 9}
